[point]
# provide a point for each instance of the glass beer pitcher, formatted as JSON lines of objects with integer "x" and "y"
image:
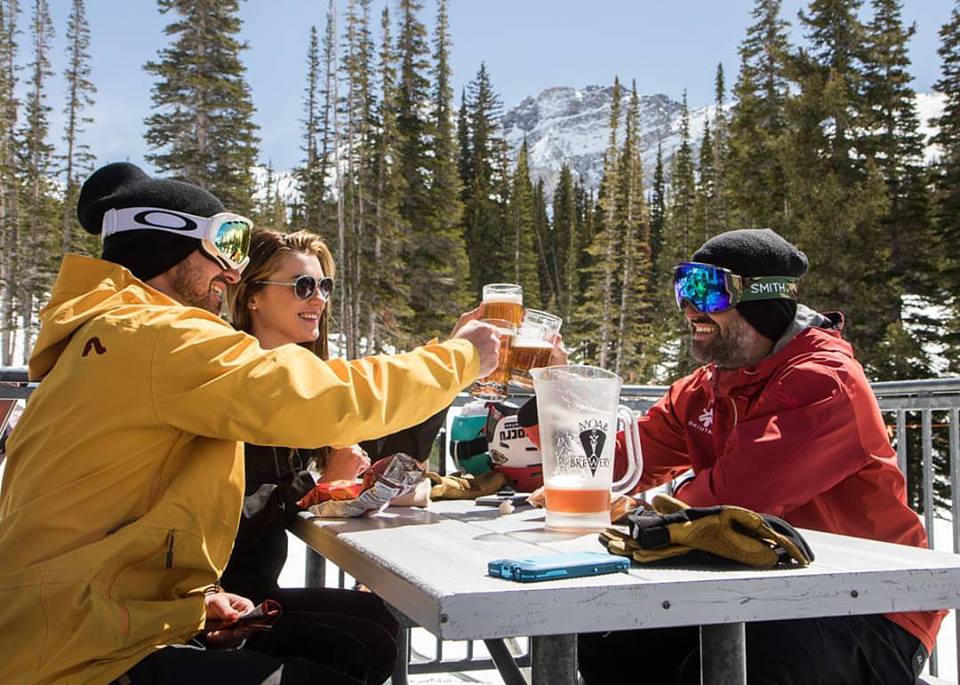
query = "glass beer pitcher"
{"x": 578, "y": 409}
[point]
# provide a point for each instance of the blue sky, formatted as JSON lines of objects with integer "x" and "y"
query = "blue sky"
{"x": 528, "y": 45}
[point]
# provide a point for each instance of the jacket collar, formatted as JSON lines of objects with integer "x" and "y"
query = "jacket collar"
{"x": 808, "y": 331}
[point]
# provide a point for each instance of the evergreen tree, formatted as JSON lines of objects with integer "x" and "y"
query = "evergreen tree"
{"x": 546, "y": 241}
{"x": 389, "y": 309}
{"x": 635, "y": 349}
{"x": 77, "y": 160}
{"x": 720, "y": 153}
{"x": 946, "y": 175}
{"x": 357, "y": 109}
{"x": 440, "y": 249}
{"x": 270, "y": 211}
{"x": 600, "y": 308}
{"x": 658, "y": 217}
{"x": 705, "y": 202}
{"x": 202, "y": 127}
{"x": 680, "y": 239}
{"x": 483, "y": 184}
{"x": 683, "y": 237}
{"x": 328, "y": 151}
{"x": 10, "y": 272}
{"x": 754, "y": 174}
{"x": 837, "y": 197}
{"x": 39, "y": 212}
{"x": 894, "y": 142}
{"x": 522, "y": 245}
{"x": 310, "y": 174}
{"x": 563, "y": 272}
{"x": 413, "y": 127}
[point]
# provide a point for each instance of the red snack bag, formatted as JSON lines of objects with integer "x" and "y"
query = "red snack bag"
{"x": 388, "y": 478}
{"x": 333, "y": 490}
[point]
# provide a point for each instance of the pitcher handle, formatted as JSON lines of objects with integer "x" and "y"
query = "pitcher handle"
{"x": 631, "y": 438}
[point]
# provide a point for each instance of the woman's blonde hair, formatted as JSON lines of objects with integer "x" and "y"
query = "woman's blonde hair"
{"x": 267, "y": 248}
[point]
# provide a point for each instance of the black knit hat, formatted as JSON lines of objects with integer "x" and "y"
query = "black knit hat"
{"x": 757, "y": 252}
{"x": 147, "y": 253}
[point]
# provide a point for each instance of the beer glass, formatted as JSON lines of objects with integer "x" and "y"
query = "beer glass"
{"x": 533, "y": 345}
{"x": 494, "y": 386}
{"x": 503, "y": 301}
{"x": 578, "y": 409}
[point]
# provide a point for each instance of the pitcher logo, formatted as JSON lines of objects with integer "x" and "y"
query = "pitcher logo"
{"x": 593, "y": 436}
{"x": 704, "y": 422}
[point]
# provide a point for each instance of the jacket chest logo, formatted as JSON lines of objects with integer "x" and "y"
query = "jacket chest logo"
{"x": 93, "y": 344}
{"x": 704, "y": 422}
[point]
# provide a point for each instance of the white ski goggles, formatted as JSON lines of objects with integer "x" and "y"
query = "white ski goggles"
{"x": 224, "y": 237}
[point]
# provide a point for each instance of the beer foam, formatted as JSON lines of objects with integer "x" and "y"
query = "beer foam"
{"x": 566, "y": 481}
{"x": 509, "y": 298}
{"x": 539, "y": 343}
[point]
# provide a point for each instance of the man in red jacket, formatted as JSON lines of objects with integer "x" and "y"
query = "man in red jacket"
{"x": 781, "y": 420}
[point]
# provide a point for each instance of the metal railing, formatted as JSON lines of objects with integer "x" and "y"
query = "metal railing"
{"x": 923, "y": 418}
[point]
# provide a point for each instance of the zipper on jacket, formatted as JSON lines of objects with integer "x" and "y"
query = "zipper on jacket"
{"x": 734, "y": 403}
{"x": 170, "y": 542}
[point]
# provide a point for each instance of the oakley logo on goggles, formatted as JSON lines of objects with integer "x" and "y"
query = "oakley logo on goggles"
{"x": 224, "y": 237}
{"x": 713, "y": 289}
{"x": 305, "y": 286}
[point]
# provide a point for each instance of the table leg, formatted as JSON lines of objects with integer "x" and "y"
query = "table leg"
{"x": 554, "y": 659}
{"x": 723, "y": 654}
{"x": 508, "y": 668}
{"x": 316, "y": 569}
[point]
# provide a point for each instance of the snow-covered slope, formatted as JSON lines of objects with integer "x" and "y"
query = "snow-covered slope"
{"x": 567, "y": 124}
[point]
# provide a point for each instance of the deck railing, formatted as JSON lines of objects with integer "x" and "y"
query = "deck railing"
{"x": 923, "y": 418}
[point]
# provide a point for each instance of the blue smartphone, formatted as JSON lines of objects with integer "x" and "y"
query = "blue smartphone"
{"x": 555, "y": 566}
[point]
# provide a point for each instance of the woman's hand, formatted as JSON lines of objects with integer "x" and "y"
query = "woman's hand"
{"x": 345, "y": 463}
{"x": 225, "y": 608}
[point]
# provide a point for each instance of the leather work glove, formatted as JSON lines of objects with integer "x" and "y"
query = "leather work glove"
{"x": 705, "y": 535}
{"x": 468, "y": 486}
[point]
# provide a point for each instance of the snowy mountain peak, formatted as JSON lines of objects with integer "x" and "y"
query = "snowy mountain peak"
{"x": 569, "y": 125}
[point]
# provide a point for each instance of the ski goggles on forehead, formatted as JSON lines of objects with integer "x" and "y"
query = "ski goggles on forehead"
{"x": 712, "y": 289}
{"x": 224, "y": 237}
{"x": 304, "y": 287}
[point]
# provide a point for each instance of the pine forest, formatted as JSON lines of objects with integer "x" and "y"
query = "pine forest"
{"x": 416, "y": 191}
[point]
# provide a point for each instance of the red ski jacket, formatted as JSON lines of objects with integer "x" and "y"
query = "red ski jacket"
{"x": 799, "y": 436}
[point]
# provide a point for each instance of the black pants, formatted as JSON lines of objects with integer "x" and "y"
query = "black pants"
{"x": 329, "y": 636}
{"x": 837, "y": 650}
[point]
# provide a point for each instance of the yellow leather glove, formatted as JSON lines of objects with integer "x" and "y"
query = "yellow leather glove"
{"x": 467, "y": 486}
{"x": 705, "y": 535}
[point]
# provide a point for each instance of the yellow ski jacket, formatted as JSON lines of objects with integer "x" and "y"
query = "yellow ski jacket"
{"x": 124, "y": 481}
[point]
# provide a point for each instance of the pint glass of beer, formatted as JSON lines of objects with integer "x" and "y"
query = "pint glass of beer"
{"x": 494, "y": 386}
{"x": 532, "y": 347}
{"x": 503, "y": 301}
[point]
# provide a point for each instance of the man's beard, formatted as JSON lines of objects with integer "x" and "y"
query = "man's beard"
{"x": 193, "y": 288}
{"x": 729, "y": 348}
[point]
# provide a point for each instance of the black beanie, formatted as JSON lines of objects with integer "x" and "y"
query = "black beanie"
{"x": 757, "y": 252}
{"x": 147, "y": 253}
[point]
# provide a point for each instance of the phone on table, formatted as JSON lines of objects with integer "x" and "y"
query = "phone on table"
{"x": 556, "y": 566}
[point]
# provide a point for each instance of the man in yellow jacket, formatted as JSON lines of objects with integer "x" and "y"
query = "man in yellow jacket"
{"x": 123, "y": 487}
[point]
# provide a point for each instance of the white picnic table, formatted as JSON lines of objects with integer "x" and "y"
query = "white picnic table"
{"x": 431, "y": 565}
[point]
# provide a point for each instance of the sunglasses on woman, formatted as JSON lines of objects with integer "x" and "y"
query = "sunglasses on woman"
{"x": 304, "y": 287}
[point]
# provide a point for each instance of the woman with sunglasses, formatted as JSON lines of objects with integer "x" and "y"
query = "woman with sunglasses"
{"x": 283, "y": 298}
